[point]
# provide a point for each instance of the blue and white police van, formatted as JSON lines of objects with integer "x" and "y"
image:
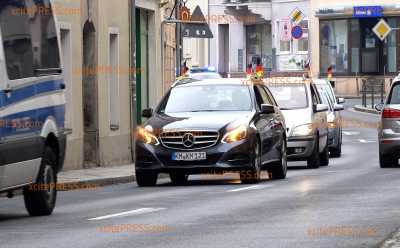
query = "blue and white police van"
{"x": 32, "y": 103}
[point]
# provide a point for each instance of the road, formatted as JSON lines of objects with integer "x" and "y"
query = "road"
{"x": 350, "y": 203}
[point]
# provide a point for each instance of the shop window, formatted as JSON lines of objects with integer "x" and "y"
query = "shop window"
{"x": 284, "y": 45}
{"x": 259, "y": 44}
{"x": 334, "y": 45}
{"x": 392, "y": 47}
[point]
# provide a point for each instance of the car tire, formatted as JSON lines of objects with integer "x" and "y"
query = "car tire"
{"x": 386, "y": 161}
{"x": 146, "y": 179}
{"x": 324, "y": 157}
{"x": 253, "y": 175}
{"x": 336, "y": 152}
{"x": 313, "y": 162}
{"x": 280, "y": 170}
{"x": 178, "y": 178}
{"x": 41, "y": 200}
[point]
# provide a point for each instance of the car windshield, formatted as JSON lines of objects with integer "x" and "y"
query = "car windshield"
{"x": 293, "y": 96}
{"x": 394, "y": 97}
{"x": 208, "y": 98}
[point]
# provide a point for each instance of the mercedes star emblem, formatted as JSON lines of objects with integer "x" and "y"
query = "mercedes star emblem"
{"x": 188, "y": 140}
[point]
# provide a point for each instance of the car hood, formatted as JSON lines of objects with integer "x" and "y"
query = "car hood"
{"x": 198, "y": 120}
{"x": 296, "y": 117}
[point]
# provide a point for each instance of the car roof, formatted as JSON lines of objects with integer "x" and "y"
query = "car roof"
{"x": 219, "y": 81}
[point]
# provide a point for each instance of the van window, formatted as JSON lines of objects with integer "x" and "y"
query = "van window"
{"x": 29, "y": 37}
{"x": 44, "y": 36}
{"x": 17, "y": 39}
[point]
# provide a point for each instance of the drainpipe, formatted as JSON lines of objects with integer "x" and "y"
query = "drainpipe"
{"x": 132, "y": 75}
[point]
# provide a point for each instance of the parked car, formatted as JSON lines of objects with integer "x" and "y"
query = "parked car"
{"x": 335, "y": 136}
{"x": 389, "y": 128}
{"x": 306, "y": 120}
{"x": 212, "y": 126}
{"x": 203, "y": 73}
{"x": 32, "y": 105}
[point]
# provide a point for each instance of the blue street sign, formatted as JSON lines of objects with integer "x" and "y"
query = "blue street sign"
{"x": 297, "y": 32}
{"x": 367, "y": 11}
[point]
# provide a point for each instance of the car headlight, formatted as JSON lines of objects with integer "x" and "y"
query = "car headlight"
{"x": 303, "y": 130}
{"x": 331, "y": 124}
{"x": 236, "y": 134}
{"x": 146, "y": 135}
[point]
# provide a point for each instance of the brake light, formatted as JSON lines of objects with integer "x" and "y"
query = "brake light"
{"x": 390, "y": 113}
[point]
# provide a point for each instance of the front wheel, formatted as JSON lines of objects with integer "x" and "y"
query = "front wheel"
{"x": 40, "y": 198}
{"x": 253, "y": 175}
{"x": 386, "y": 161}
{"x": 178, "y": 178}
{"x": 313, "y": 162}
{"x": 146, "y": 179}
{"x": 280, "y": 170}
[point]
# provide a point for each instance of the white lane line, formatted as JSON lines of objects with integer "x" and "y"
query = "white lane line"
{"x": 128, "y": 213}
{"x": 251, "y": 188}
{"x": 366, "y": 141}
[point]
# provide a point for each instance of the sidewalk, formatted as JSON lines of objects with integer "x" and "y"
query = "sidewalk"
{"x": 96, "y": 176}
{"x": 367, "y": 109}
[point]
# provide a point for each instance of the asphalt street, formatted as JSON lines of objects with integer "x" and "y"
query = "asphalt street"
{"x": 350, "y": 203}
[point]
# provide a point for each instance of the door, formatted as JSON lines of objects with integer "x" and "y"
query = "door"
{"x": 319, "y": 119}
{"x": 266, "y": 126}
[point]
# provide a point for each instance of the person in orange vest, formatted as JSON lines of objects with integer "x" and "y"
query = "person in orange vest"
{"x": 259, "y": 69}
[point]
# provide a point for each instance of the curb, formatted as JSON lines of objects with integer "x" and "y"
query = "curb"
{"x": 392, "y": 241}
{"x": 366, "y": 110}
{"x": 91, "y": 184}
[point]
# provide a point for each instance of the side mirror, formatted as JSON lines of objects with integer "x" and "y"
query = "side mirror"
{"x": 267, "y": 109}
{"x": 379, "y": 107}
{"x": 339, "y": 107}
{"x": 321, "y": 108}
{"x": 341, "y": 100}
{"x": 147, "y": 113}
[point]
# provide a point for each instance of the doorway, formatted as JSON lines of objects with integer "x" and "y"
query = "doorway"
{"x": 90, "y": 97}
{"x": 372, "y": 55}
{"x": 223, "y": 43}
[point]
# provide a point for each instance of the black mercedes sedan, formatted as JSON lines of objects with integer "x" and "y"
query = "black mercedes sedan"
{"x": 212, "y": 126}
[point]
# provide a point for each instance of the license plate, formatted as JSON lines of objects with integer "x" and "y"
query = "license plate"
{"x": 189, "y": 156}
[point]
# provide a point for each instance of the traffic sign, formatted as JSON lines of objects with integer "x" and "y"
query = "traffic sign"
{"x": 197, "y": 30}
{"x": 382, "y": 29}
{"x": 297, "y": 32}
{"x": 285, "y": 30}
{"x": 296, "y": 16}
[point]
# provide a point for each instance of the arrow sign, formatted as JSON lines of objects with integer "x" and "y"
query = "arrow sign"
{"x": 197, "y": 30}
{"x": 382, "y": 29}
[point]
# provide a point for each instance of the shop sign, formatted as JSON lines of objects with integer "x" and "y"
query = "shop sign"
{"x": 367, "y": 11}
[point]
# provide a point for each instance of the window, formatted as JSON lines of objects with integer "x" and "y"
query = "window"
{"x": 208, "y": 98}
{"x": 113, "y": 82}
{"x": 44, "y": 36}
{"x": 394, "y": 97}
{"x": 334, "y": 45}
{"x": 262, "y": 94}
{"x": 259, "y": 45}
{"x": 302, "y": 44}
{"x": 293, "y": 96}
{"x": 17, "y": 39}
{"x": 284, "y": 44}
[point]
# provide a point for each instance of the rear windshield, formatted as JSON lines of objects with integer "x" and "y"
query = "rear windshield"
{"x": 293, "y": 96}
{"x": 394, "y": 97}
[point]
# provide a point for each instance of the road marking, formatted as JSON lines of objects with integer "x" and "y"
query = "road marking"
{"x": 347, "y": 133}
{"x": 251, "y": 188}
{"x": 366, "y": 141}
{"x": 128, "y": 213}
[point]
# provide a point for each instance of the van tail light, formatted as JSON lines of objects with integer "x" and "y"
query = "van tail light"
{"x": 390, "y": 113}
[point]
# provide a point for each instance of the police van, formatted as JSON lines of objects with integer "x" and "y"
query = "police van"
{"x": 32, "y": 103}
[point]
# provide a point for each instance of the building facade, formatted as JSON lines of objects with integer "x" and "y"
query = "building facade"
{"x": 246, "y": 30}
{"x": 343, "y": 38}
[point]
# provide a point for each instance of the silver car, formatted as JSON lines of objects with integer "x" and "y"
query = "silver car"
{"x": 334, "y": 118}
{"x": 306, "y": 120}
{"x": 389, "y": 128}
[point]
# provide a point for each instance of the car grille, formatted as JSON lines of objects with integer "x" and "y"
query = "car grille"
{"x": 189, "y": 140}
